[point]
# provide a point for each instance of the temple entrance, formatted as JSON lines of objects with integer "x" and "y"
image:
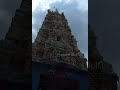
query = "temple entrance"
{"x": 57, "y": 83}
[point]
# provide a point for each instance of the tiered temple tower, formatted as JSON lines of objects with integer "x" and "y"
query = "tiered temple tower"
{"x": 55, "y": 42}
{"x": 15, "y": 50}
{"x": 56, "y": 57}
{"x": 19, "y": 35}
{"x": 101, "y": 74}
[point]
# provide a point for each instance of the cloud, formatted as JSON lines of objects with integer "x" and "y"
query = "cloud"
{"x": 43, "y": 4}
{"x": 76, "y": 12}
{"x": 7, "y": 11}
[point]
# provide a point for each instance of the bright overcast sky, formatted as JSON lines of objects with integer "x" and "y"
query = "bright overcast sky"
{"x": 76, "y": 12}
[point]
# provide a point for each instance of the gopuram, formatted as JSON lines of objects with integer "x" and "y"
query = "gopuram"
{"x": 101, "y": 74}
{"x": 57, "y": 63}
{"x": 15, "y": 50}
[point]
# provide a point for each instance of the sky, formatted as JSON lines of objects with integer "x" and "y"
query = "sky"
{"x": 76, "y": 12}
{"x": 104, "y": 17}
{"x": 7, "y": 11}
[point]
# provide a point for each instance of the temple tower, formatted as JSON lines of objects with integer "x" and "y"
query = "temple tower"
{"x": 15, "y": 50}
{"x": 21, "y": 23}
{"x": 19, "y": 35}
{"x": 101, "y": 74}
{"x": 55, "y": 42}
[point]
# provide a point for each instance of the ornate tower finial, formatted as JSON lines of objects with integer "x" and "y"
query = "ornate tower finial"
{"x": 48, "y": 10}
{"x": 56, "y": 9}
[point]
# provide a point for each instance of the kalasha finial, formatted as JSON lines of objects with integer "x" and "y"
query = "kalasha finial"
{"x": 62, "y": 14}
{"x": 49, "y": 11}
{"x": 56, "y": 9}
